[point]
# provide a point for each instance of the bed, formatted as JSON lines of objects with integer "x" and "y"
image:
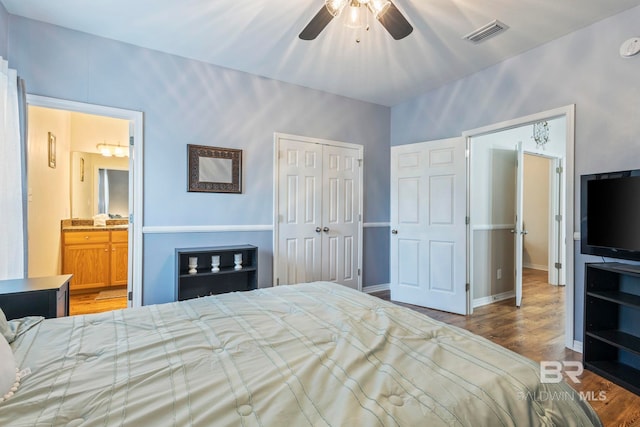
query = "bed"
{"x": 315, "y": 354}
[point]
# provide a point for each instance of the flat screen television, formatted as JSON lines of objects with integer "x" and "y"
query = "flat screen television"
{"x": 610, "y": 214}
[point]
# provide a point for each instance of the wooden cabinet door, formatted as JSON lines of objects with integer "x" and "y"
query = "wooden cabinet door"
{"x": 119, "y": 260}
{"x": 89, "y": 264}
{"x": 119, "y": 257}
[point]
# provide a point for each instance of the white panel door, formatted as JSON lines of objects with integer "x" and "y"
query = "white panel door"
{"x": 319, "y": 213}
{"x": 300, "y": 212}
{"x": 341, "y": 215}
{"x": 428, "y": 210}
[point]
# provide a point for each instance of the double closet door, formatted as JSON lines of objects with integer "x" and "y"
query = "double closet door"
{"x": 318, "y": 218}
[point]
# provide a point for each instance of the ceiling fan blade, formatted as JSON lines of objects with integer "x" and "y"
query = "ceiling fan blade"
{"x": 316, "y": 25}
{"x": 395, "y": 23}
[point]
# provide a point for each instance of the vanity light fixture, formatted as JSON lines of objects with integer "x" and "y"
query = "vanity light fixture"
{"x": 109, "y": 150}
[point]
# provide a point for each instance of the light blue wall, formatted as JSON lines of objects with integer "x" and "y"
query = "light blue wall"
{"x": 4, "y": 31}
{"x": 582, "y": 68}
{"x": 190, "y": 102}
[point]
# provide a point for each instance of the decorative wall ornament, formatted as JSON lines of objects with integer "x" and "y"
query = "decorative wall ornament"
{"x": 541, "y": 134}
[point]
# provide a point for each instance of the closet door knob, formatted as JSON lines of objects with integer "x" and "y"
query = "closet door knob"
{"x": 325, "y": 229}
{"x": 394, "y": 231}
{"x": 318, "y": 229}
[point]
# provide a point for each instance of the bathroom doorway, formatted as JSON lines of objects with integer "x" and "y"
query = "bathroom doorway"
{"x": 64, "y": 196}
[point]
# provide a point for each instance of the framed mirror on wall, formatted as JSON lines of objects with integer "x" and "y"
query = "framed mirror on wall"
{"x": 214, "y": 169}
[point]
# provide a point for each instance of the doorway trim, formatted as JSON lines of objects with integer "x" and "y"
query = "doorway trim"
{"x": 135, "y": 119}
{"x": 569, "y": 113}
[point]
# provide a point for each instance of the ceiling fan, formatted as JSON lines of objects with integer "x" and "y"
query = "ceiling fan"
{"x": 383, "y": 10}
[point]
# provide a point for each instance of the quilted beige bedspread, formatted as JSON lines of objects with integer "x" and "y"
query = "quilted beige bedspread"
{"x": 313, "y": 354}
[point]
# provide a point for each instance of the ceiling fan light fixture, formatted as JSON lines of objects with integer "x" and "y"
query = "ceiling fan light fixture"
{"x": 335, "y": 6}
{"x": 385, "y": 12}
{"x": 378, "y": 7}
{"x": 354, "y": 17}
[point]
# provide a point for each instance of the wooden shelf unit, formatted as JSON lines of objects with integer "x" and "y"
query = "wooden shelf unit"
{"x": 612, "y": 323}
{"x": 206, "y": 282}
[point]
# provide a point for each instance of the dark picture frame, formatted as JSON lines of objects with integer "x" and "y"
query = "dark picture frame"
{"x": 214, "y": 169}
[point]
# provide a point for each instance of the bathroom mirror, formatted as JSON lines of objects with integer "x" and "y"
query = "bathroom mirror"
{"x": 99, "y": 185}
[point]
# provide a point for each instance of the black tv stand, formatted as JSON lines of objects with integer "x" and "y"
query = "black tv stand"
{"x": 611, "y": 322}
{"x": 628, "y": 268}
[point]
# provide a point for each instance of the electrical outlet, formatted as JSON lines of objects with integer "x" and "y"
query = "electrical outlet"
{"x": 499, "y": 274}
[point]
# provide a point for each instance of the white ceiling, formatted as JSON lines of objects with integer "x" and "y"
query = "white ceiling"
{"x": 261, "y": 37}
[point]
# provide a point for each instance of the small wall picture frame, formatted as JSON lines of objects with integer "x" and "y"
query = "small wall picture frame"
{"x": 214, "y": 169}
{"x": 52, "y": 150}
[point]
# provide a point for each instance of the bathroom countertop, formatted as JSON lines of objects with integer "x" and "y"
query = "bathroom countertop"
{"x": 87, "y": 225}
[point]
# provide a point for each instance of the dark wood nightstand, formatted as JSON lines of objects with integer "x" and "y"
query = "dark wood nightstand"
{"x": 37, "y": 296}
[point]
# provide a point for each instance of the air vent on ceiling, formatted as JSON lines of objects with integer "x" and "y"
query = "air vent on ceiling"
{"x": 493, "y": 28}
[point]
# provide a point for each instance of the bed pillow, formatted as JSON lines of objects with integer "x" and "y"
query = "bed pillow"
{"x": 12, "y": 329}
{"x": 8, "y": 371}
{"x": 5, "y": 329}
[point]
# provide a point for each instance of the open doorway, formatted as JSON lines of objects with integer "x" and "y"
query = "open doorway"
{"x": 542, "y": 215}
{"x": 70, "y": 199}
{"x": 492, "y": 205}
{"x": 64, "y": 198}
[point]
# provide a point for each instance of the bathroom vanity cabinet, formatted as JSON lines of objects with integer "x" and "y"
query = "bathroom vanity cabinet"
{"x": 97, "y": 258}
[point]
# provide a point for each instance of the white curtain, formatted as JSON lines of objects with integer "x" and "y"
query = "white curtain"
{"x": 12, "y": 241}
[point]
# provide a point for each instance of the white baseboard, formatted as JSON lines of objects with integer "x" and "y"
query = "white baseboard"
{"x": 577, "y": 346}
{"x": 375, "y": 288}
{"x": 536, "y": 267}
{"x": 479, "y": 302}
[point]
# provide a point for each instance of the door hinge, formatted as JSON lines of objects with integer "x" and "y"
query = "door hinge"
{"x": 559, "y": 218}
{"x": 130, "y": 140}
{"x": 358, "y": 272}
{"x": 467, "y": 287}
{"x": 130, "y": 296}
{"x": 359, "y": 162}
{"x": 360, "y": 217}
{"x": 467, "y": 220}
{"x": 558, "y": 265}
{"x": 559, "y": 169}
{"x": 278, "y": 282}
{"x": 130, "y": 218}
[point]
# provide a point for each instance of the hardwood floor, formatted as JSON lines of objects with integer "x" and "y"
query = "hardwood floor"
{"x": 86, "y": 303}
{"x": 536, "y": 331}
